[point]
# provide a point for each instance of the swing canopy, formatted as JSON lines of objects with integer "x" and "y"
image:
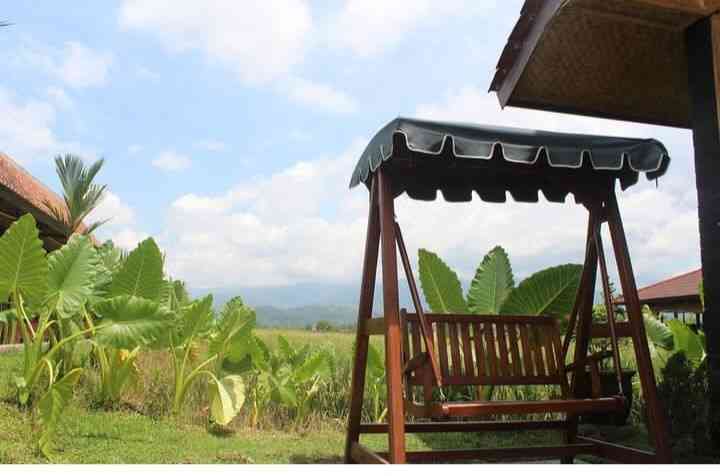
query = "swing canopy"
{"x": 424, "y": 157}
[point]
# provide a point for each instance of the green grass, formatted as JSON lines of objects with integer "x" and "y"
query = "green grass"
{"x": 97, "y": 436}
{"x": 342, "y": 342}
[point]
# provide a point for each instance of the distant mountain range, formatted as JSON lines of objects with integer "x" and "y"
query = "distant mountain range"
{"x": 302, "y": 304}
{"x": 303, "y": 316}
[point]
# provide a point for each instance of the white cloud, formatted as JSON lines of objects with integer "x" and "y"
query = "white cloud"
{"x": 75, "y": 64}
{"x": 113, "y": 209}
{"x": 121, "y": 227}
{"x": 171, "y": 161}
{"x": 26, "y": 127}
{"x": 369, "y": 27}
{"x": 320, "y": 96}
{"x": 82, "y": 66}
{"x": 270, "y": 230}
{"x": 27, "y": 130}
{"x": 261, "y": 41}
{"x": 302, "y": 224}
{"x": 211, "y": 145}
{"x": 60, "y": 97}
{"x": 128, "y": 238}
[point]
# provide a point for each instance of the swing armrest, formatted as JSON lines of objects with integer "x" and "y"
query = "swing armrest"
{"x": 590, "y": 359}
{"x": 594, "y": 361}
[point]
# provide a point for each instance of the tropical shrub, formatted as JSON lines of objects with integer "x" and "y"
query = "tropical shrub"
{"x": 683, "y": 392}
{"x": 287, "y": 377}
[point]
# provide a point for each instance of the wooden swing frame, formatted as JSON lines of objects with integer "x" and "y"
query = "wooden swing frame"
{"x": 384, "y": 238}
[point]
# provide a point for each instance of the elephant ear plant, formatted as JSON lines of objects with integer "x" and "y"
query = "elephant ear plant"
{"x": 143, "y": 310}
{"x": 227, "y": 338}
{"x": 53, "y": 290}
{"x": 549, "y": 292}
{"x": 128, "y": 317}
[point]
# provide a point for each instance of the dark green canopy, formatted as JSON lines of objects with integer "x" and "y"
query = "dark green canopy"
{"x": 424, "y": 156}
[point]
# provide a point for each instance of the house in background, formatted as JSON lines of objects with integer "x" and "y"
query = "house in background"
{"x": 677, "y": 297}
{"x": 21, "y": 193}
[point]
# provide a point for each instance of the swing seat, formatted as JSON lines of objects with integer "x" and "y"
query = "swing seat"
{"x": 481, "y": 350}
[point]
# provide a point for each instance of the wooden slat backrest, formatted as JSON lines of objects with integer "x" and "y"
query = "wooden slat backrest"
{"x": 490, "y": 350}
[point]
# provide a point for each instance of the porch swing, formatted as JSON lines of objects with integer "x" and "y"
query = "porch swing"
{"x": 434, "y": 351}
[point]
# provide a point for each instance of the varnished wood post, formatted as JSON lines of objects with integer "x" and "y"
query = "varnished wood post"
{"x": 393, "y": 331}
{"x": 656, "y": 416}
{"x": 583, "y": 311}
{"x": 703, "y": 51}
{"x": 362, "y": 340}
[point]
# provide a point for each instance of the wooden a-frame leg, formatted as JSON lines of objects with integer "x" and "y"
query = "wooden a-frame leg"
{"x": 583, "y": 306}
{"x": 362, "y": 340}
{"x": 393, "y": 332}
{"x": 656, "y": 416}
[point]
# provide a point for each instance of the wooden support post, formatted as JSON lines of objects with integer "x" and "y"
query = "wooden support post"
{"x": 362, "y": 340}
{"x": 393, "y": 333}
{"x": 656, "y": 416}
{"x": 583, "y": 308}
{"x": 703, "y": 51}
{"x": 609, "y": 306}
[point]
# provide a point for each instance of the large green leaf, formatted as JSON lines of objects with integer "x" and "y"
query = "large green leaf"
{"x": 492, "y": 283}
{"x": 282, "y": 393}
{"x": 234, "y": 335}
{"x": 23, "y": 266}
{"x": 126, "y": 322}
{"x": 51, "y": 406}
{"x": 687, "y": 341}
{"x": 142, "y": 273}
{"x": 72, "y": 271}
{"x": 375, "y": 362}
{"x": 440, "y": 285}
{"x": 658, "y": 333}
{"x": 228, "y": 396}
{"x": 194, "y": 319}
{"x": 315, "y": 365}
{"x": 550, "y": 292}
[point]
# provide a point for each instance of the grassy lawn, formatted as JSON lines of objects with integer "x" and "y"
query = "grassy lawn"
{"x": 97, "y": 436}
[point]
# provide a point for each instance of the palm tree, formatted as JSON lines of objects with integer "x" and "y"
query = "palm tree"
{"x": 80, "y": 194}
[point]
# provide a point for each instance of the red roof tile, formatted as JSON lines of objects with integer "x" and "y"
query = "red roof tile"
{"x": 27, "y": 187}
{"x": 684, "y": 285}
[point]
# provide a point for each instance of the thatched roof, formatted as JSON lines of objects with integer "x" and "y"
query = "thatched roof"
{"x": 605, "y": 58}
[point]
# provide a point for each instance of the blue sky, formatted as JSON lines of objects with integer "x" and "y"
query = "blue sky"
{"x": 230, "y": 130}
